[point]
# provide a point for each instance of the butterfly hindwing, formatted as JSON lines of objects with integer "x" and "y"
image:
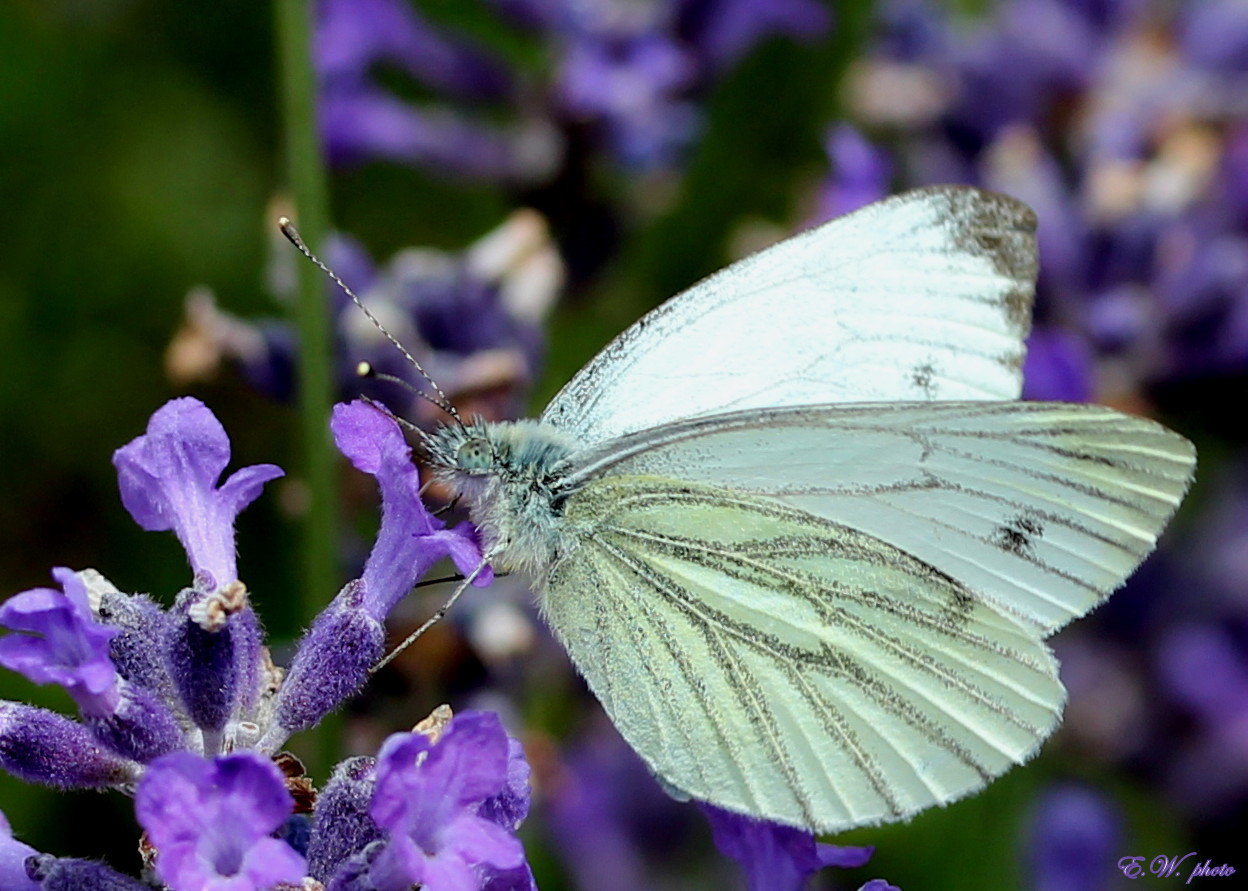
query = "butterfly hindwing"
{"x": 783, "y": 665}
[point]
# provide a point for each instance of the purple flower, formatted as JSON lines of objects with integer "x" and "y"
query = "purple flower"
{"x": 725, "y": 30}
{"x": 211, "y": 822}
{"x": 775, "y": 857}
{"x": 1074, "y": 833}
{"x": 428, "y": 798}
{"x": 353, "y": 35}
{"x": 1059, "y": 367}
{"x": 13, "y": 854}
{"x": 632, "y": 73}
{"x": 631, "y": 83}
{"x": 472, "y": 318}
{"x": 168, "y": 480}
{"x": 410, "y": 539}
{"x": 346, "y": 640}
{"x": 197, "y": 679}
{"x": 72, "y": 646}
{"x": 360, "y": 121}
{"x": 860, "y": 173}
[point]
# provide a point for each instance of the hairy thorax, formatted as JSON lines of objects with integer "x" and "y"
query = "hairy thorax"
{"x": 508, "y": 474}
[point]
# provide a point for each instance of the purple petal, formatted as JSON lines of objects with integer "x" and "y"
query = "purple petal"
{"x": 480, "y": 841}
{"x": 427, "y": 797}
{"x": 72, "y": 646}
{"x": 775, "y": 857}
{"x": 211, "y": 820}
{"x": 410, "y": 539}
{"x": 13, "y": 854}
{"x": 168, "y": 481}
{"x": 511, "y": 806}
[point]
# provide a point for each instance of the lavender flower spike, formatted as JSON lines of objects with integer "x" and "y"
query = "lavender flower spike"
{"x": 211, "y": 822}
{"x": 71, "y": 648}
{"x": 428, "y": 798}
{"x": 347, "y": 640}
{"x": 168, "y": 480}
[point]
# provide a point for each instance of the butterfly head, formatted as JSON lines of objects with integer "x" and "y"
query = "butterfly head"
{"x": 470, "y": 454}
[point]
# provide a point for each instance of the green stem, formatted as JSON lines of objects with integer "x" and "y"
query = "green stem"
{"x": 309, "y": 192}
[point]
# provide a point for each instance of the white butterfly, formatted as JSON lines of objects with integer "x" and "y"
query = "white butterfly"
{"x": 797, "y": 534}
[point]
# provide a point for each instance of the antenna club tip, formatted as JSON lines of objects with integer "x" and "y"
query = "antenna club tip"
{"x": 283, "y": 222}
{"x": 365, "y": 369}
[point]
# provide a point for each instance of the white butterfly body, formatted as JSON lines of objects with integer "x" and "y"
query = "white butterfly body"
{"x": 798, "y": 537}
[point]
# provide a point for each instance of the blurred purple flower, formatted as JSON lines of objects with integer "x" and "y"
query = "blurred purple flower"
{"x": 725, "y": 30}
{"x": 632, "y": 73}
{"x": 860, "y": 173}
{"x": 168, "y": 480}
{"x": 354, "y": 35}
{"x": 608, "y": 817}
{"x": 1074, "y": 833}
{"x": 775, "y": 857}
{"x": 473, "y": 319}
{"x": 1127, "y": 146}
{"x": 1059, "y": 367}
{"x": 1205, "y": 668}
{"x": 631, "y": 84}
{"x": 211, "y": 822}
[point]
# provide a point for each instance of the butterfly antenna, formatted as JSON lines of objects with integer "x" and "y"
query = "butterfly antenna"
{"x": 366, "y": 369}
{"x": 432, "y": 620}
{"x": 442, "y": 402}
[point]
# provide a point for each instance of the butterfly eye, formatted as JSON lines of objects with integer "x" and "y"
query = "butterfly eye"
{"x": 475, "y": 454}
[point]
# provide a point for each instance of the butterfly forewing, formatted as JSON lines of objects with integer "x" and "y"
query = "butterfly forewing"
{"x": 786, "y": 666}
{"x": 1040, "y": 508}
{"x": 924, "y": 296}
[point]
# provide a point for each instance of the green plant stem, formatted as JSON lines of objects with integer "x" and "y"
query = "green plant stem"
{"x": 307, "y": 183}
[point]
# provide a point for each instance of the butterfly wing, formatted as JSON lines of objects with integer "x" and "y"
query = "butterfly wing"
{"x": 923, "y": 296}
{"x": 1041, "y": 508}
{"x": 832, "y": 616}
{"x": 789, "y": 667}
